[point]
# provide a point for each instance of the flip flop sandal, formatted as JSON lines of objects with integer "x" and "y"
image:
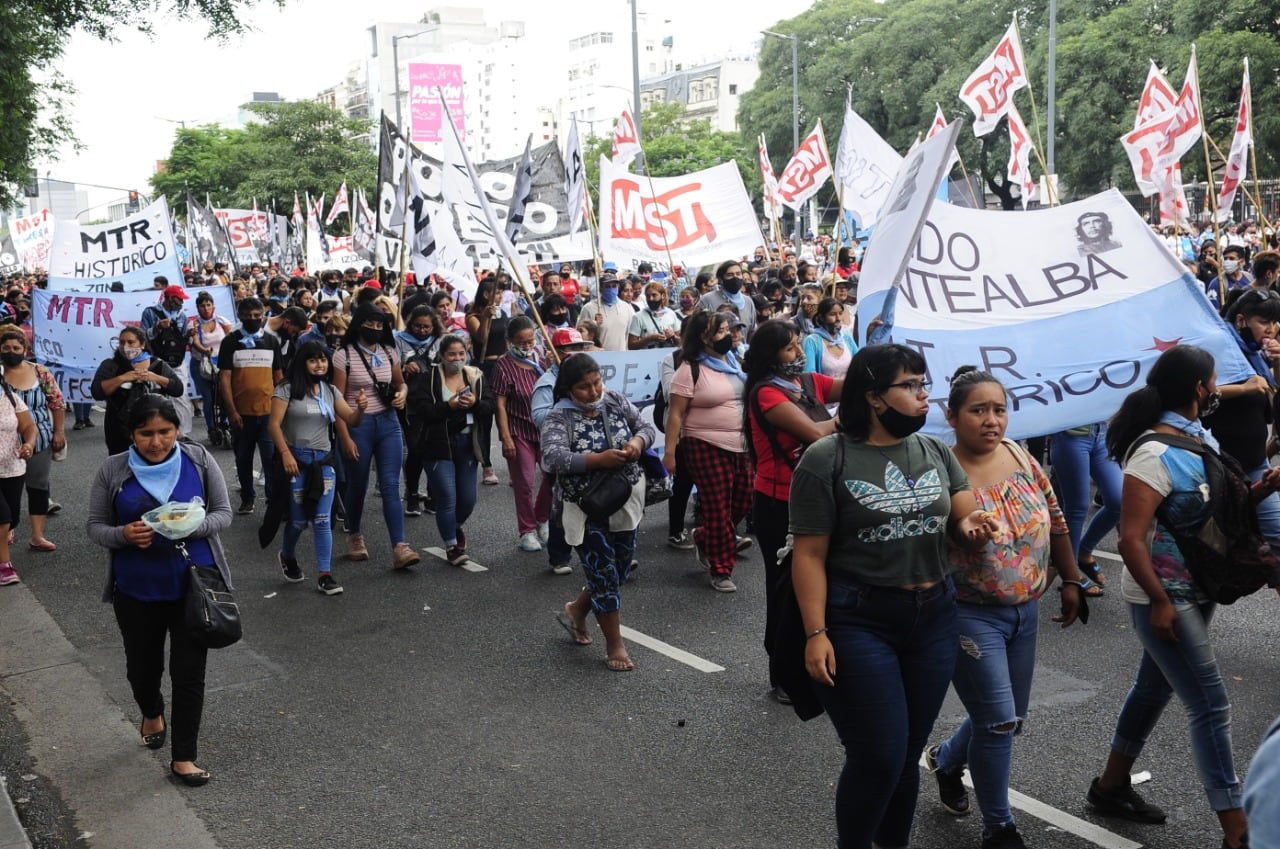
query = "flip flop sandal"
{"x": 1091, "y": 589}
{"x": 574, "y": 634}
{"x": 1093, "y": 572}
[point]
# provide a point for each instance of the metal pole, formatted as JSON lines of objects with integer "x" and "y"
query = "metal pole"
{"x": 1052, "y": 111}
{"x": 395, "y": 61}
{"x": 642, "y": 166}
{"x": 795, "y": 122}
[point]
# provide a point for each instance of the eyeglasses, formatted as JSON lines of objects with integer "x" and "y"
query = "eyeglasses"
{"x": 915, "y": 387}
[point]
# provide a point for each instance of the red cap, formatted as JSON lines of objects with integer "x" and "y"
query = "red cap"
{"x": 566, "y": 336}
{"x": 373, "y": 284}
{"x": 176, "y": 291}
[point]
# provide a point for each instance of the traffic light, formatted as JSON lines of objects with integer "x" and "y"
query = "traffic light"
{"x": 133, "y": 205}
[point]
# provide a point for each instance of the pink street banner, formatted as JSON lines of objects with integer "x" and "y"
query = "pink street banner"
{"x": 425, "y": 113}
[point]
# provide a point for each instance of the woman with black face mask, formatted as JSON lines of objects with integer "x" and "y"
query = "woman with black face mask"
{"x": 36, "y": 386}
{"x": 706, "y": 426}
{"x": 872, "y": 508}
{"x": 124, "y": 378}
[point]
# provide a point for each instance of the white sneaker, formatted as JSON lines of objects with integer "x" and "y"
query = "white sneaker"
{"x": 544, "y": 532}
{"x": 530, "y": 542}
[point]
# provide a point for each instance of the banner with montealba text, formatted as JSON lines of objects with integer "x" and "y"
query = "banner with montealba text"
{"x": 73, "y": 332}
{"x": 1068, "y": 307}
{"x": 131, "y": 251}
{"x": 701, "y": 218}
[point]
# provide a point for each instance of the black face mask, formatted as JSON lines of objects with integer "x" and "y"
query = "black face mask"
{"x": 313, "y": 378}
{"x": 251, "y": 325}
{"x": 370, "y": 336}
{"x": 723, "y": 345}
{"x": 560, "y": 319}
{"x": 732, "y": 285}
{"x": 655, "y": 305}
{"x": 900, "y": 425}
{"x": 11, "y": 359}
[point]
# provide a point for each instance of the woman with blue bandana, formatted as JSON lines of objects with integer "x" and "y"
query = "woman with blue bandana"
{"x": 124, "y": 378}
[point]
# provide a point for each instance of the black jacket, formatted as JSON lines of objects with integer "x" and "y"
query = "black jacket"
{"x": 433, "y": 423}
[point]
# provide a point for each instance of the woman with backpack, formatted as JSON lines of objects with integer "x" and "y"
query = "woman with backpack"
{"x": 786, "y": 411}
{"x": 997, "y": 591}
{"x": 1158, "y": 437}
{"x": 124, "y": 378}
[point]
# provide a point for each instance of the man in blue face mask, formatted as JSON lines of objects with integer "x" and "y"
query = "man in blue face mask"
{"x": 611, "y": 315}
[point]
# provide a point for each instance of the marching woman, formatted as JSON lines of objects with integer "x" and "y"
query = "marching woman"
{"x": 206, "y": 334}
{"x": 124, "y": 378}
{"x": 17, "y": 446}
{"x": 445, "y": 402}
{"x": 707, "y": 424}
{"x": 592, "y": 431}
{"x": 146, "y": 573}
{"x": 486, "y": 322}
{"x": 367, "y": 360}
{"x": 38, "y": 389}
{"x": 513, "y": 378}
{"x": 998, "y": 590}
{"x": 872, "y": 509}
{"x": 830, "y": 347}
{"x": 417, "y": 345}
{"x": 1169, "y": 612}
{"x": 303, "y": 408}
{"x": 786, "y": 411}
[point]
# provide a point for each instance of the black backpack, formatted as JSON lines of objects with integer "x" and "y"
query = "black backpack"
{"x": 660, "y": 397}
{"x": 1226, "y": 554}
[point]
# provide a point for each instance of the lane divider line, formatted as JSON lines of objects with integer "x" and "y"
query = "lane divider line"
{"x": 634, "y": 636}
{"x": 467, "y": 565}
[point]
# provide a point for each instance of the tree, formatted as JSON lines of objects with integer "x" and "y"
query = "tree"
{"x": 298, "y": 146}
{"x": 33, "y": 34}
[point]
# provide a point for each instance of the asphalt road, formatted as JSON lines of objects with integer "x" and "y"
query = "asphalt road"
{"x": 446, "y": 708}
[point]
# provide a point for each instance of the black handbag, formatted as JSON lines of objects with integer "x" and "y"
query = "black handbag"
{"x": 607, "y": 493}
{"x": 212, "y": 615}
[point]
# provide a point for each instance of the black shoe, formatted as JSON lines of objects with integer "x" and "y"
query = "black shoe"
{"x": 780, "y": 696}
{"x": 154, "y": 741}
{"x": 428, "y": 505}
{"x": 411, "y": 504}
{"x": 951, "y": 790}
{"x": 246, "y": 507}
{"x": 327, "y": 585}
{"x": 1006, "y": 838}
{"x": 1123, "y": 802}
{"x": 191, "y": 779}
{"x": 292, "y": 573}
{"x": 79, "y": 426}
{"x": 89, "y": 423}
{"x": 215, "y": 437}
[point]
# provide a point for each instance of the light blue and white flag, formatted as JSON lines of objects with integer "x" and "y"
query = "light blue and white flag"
{"x": 1069, "y": 307}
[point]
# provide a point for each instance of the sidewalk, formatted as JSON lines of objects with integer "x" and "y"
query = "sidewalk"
{"x": 82, "y": 742}
{"x": 12, "y": 835}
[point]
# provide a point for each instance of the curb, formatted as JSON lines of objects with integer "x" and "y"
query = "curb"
{"x": 12, "y": 834}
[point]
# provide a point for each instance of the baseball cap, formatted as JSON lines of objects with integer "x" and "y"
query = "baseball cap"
{"x": 373, "y": 284}
{"x": 610, "y": 266}
{"x": 566, "y": 336}
{"x": 175, "y": 291}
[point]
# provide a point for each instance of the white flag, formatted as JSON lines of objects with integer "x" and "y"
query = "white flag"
{"x": 521, "y": 193}
{"x": 575, "y": 177}
{"x": 1238, "y": 158}
{"x": 808, "y": 170}
{"x": 340, "y": 205}
{"x": 772, "y": 203}
{"x": 866, "y": 166}
{"x": 939, "y": 124}
{"x": 1020, "y": 155}
{"x": 989, "y": 89}
{"x": 626, "y": 141}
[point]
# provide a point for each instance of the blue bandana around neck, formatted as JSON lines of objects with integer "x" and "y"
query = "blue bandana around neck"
{"x": 142, "y": 357}
{"x": 729, "y": 365}
{"x": 836, "y": 339}
{"x": 326, "y": 404}
{"x": 413, "y": 341}
{"x": 375, "y": 359}
{"x": 250, "y": 340}
{"x": 175, "y": 316}
{"x": 158, "y": 479}
{"x": 1253, "y": 353}
{"x": 1190, "y": 428}
{"x": 531, "y": 361}
{"x": 738, "y": 299}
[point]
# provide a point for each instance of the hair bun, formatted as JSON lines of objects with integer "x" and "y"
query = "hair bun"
{"x": 962, "y": 371}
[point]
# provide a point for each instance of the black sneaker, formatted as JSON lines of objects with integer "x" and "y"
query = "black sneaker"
{"x": 327, "y": 585}
{"x": 246, "y": 507}
{"x": 1006, "y": 838}
{"x": 411, "y": 502}
{"x": 951, "y": 790}
{"x": 1123, "y": 802}
{"x": 428, "y": 505}
{"x": 289, "y": 565}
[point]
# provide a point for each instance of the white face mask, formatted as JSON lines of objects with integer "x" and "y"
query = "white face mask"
{"x": 1231, "y": 266}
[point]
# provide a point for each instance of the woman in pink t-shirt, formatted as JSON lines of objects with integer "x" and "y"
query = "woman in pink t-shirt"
{"x": 708, "y": 428}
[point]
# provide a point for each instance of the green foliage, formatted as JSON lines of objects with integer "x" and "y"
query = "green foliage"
{"x": 674, "y": 145}
{"x": 297, "y": 146}
{"x": 33, "y": 34}
{"x": 900, "y": 57}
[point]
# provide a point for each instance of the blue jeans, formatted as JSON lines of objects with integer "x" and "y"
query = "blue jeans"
{"x": 82, "y": 411}
{"x": 321, "y": 528}
{"x": 1268, "y": 509}
{"x": 993, "y": 679}
{"x": 1188, "y": 668}
{"x": 250, "y": 435}
{"x": 895, "y": 655}
{"x": 208, "y": 391}
{"x": 454, "y": 486}
{"x": 1075, "y": 460}
{"x": 377, "y": 437}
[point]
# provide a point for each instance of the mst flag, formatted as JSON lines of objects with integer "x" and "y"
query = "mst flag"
{"x": 865, "y": 167}
{"x": 1238, "y": 158}
{"x": 340, "y": 205}
{"x": 1069, "y": 308}
{"x": 1020, "y": 156}
{"x": 989, "y": 89}
{"x": 1165, "y": 128}
{"x": 772, "y": 203}
{"x": 626, "y": 141}
{"x": 808, "y": 170}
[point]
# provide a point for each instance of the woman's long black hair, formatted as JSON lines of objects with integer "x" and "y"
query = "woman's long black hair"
{"x": 1171, "y": 385}
{"x": 299, "y": 383}
{"x": 363, "y": 313}
{"x": 761, "y": 363}
{"x": 872, "y": 369}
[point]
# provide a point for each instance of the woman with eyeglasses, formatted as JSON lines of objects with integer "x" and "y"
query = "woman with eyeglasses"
{"x": 873, "y": 508}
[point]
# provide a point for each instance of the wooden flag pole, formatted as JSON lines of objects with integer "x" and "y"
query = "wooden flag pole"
{"x": 1035, "y": 119}
{"x": 1212, "y": 195}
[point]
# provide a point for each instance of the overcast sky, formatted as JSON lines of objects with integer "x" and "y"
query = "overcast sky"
{"x": 126, "y": 90}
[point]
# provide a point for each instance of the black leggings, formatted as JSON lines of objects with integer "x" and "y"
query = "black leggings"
{"x": 771, "y": 520}
{"x": 484, "y": 423}
{"x": 681, "y": 489}
{"x": 143, "y": 627}
{"x": 11, "y": 500}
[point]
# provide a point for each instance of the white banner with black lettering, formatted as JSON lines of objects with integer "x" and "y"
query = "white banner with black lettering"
{"x": 1069, "y": 307}
{"x": 131, "y": 251}
{"x": 73, "y": 332}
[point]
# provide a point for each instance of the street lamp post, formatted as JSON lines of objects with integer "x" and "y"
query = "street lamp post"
{"x": 795, "y": 112}
{"x": 635, "y": 81}
{"x": 395, "y": 60}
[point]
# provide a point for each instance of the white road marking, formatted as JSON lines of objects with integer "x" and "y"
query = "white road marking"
{"x": 1095, "y": 834}
{"x": 670, "y": 651}
{"x": 468, "y": 565}
{"x": 1107, "y": 555}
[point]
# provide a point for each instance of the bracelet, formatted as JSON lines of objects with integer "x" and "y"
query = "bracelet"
{"x": 1077, "y": 584}
{"x": 812, "y": 634}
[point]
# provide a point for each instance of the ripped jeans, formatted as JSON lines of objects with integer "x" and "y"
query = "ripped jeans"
{"x": 993, "y": 679}
{"x": 320, "y": 525}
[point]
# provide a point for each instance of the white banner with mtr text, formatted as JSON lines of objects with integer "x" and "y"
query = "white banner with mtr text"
{"x": 131, "y": 251}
